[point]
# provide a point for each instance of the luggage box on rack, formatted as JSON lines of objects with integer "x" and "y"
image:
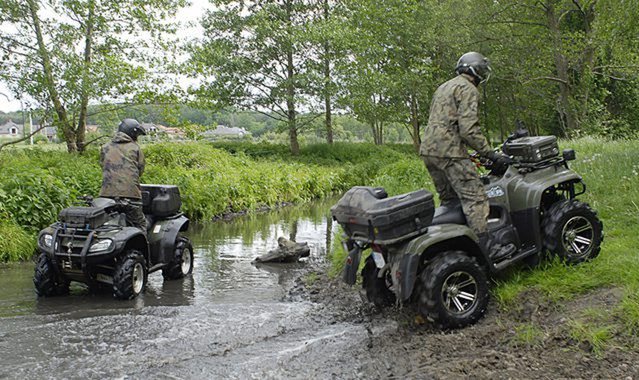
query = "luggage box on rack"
{"x": 161, "y": 200}
{"x": 83, "y": 217}
{"x": 368, "y": 214}
{"x": 532, "y": 149}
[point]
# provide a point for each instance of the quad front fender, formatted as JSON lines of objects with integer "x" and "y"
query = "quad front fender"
{"x": 526, "y": 193}
{"x": 405, "y": 261}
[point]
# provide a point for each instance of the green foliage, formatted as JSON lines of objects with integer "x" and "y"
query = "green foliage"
{"x": 15, "y": 243}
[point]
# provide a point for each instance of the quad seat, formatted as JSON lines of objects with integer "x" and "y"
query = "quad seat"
{"x": 449, "y": 213}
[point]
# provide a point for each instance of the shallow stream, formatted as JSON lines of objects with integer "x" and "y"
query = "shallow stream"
{"x": 230, "y": 319}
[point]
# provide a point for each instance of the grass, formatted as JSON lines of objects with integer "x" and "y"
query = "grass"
{"x": 311, "y": 278}
{"x": 528, "y": 335}
{"x": 595, "y": 336}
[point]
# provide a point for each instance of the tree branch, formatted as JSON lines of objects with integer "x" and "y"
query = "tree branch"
{"x": 547, "y": 78}
{"x": 95, "y": 139}
{"x": 622, "y": 79}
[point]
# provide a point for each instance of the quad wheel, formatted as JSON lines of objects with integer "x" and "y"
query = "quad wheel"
{"x": 377, "y": 289}
{"x": 182, "y": 263}
{"x": 45, "y": 281}
{"x": 453, "y": 291}
{"x": 129, "y": 279}
{"x": 572, "y": 231}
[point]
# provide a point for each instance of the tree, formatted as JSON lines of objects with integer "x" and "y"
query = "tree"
{"x": 562, "y": 59}
{"x": 256, "y": 55}
{"x": 399, "y": 52}
{"x": 66, "y": 54}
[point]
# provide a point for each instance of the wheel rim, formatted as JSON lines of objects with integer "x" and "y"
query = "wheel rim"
{"x": 459, "y": 292}
{"x": 186, "y": 261}
{"x": 138, "y": 278}
{"x": 577, "y": 237}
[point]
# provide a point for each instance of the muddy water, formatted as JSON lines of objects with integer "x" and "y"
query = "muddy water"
{"x": 230, "y": 319}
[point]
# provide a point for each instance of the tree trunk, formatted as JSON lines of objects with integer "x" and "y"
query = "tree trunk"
{"x": 327, "y": 82}
{"x": 588, "y": 55}
{"x": 84, "y": 97}
{"x": 561, "y": 65}
{"x": 414, "y": 121}
{"x": 61, "y": 112}
{"x": 290, "y": 86}
{"x": 378, "y": 132}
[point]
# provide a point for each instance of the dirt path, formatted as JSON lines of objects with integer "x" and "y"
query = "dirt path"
{"x": 533, "y": 343}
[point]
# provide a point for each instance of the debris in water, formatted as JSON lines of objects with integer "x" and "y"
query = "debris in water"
{"x": 286, "y": 252}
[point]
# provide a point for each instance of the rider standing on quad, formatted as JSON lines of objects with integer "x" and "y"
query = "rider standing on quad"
{"x": 453, "y": 128}
{"x": 122, "y": 164}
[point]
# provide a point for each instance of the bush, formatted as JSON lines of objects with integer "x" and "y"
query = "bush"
{"x": 15, "y": 243}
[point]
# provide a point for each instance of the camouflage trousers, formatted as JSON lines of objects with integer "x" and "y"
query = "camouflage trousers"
{"x": 457, "y": 180}
{"x": 132, "y": 208}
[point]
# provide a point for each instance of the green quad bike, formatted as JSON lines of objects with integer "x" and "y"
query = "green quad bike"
{"x": 94, "y": 245}
{"x": 432, "y": 257}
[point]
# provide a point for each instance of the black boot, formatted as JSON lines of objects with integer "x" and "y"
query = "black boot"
{"x": 494, "y": 250}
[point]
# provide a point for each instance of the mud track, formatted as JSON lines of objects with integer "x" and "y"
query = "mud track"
{"x": 400, "y": 346}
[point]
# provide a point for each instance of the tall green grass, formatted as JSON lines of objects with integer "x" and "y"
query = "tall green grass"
{"x": 213, "y": 178}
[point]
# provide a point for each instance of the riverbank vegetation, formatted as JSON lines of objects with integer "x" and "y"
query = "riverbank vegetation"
{"x": 213, "y": 179}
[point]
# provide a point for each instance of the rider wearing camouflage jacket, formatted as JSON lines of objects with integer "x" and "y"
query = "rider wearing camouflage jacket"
{"x": 453, "y": 128}
{"x": 122, "y": 164}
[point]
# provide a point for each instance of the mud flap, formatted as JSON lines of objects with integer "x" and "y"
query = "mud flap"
{"x": 349, "y": 273}
{"x": 405, "y": 275}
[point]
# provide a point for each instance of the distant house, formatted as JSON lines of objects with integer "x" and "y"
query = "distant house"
{"x": 222, "y": 131}
{"x": 154, "y": 129}
{"x": 91, "y": 128}
{"x": 11, "y": 129}
{"x": 51, "y": 133}
{"x": 149, "y": 127}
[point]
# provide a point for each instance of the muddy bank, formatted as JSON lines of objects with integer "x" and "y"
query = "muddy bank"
{"x": 531, "y": 342}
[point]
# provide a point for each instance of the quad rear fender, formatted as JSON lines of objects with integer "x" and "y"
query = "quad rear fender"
{"x": 407, "y": 261}
{"x": 162, "y": 237}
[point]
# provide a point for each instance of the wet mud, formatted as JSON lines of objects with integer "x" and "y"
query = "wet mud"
{"x": 234, "y": 319}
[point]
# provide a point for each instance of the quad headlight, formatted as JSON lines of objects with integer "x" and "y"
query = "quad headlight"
{"x": 46, "y": 240}
{"x": 101, "y": 245}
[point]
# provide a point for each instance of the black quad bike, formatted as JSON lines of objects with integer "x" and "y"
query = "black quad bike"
{"x": 94, "y": 245}
{"x": 430, "y": 256}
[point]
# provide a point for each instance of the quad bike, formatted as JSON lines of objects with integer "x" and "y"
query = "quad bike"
{"x": 431, "y": 256}
{"x": 94, "y": 245}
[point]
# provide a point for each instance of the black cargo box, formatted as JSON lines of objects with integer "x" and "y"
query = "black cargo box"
{"x": 366, "y": 214}
{"x": 161, "y": 200}
{"x": 83, "y": 217}
{"x": 532, "y": 149}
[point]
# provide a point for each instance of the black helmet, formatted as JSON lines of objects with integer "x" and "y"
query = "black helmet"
{"x": 474, "y": 64}
{"x": 132, "y": 128}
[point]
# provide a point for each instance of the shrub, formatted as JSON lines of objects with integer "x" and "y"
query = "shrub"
{"x": 15, "y": 243}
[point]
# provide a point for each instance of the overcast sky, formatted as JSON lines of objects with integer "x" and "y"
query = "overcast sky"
{"x": 9, "y": 103}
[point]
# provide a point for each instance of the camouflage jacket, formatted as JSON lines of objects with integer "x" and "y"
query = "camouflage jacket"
{"x": 122, "y": 164}
{"x": 453, "y": 123}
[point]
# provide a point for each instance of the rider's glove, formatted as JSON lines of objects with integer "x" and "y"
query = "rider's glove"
{"x": 500, "y": 161}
